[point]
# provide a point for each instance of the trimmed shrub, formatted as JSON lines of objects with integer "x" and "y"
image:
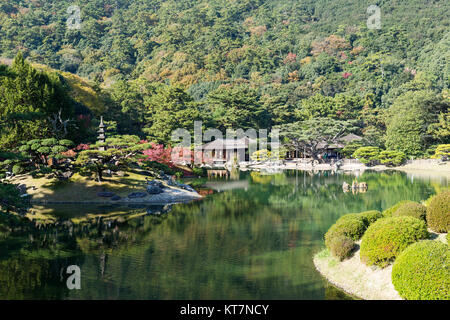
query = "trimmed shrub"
{"x": 388, "y": 212}
{"x": 157, "y": 166}
{"x": 350, "y": 225}
{"x": 341, "y": 247}
{"x": 391, "y": 158}
{"x": 340, "y": 238}
{"x": 422, "y": 271}
{"x": 412, "y": 209}
{"x": 199, "y": 172}
{"x": 49, "y": 142}
{"x": 348, "y": 216}
{"x": 442, "y": 151}
{"x": 367, "y": 155}
{"x": 17, "y": 169}
{"x": 385, "y": 239}
{"x": 370, "y": 217}
{"x": 438, "y": 212}
{"x": 66, "y": 143}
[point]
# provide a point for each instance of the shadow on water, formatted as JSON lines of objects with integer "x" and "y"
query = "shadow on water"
{"x": 252, "y": 238}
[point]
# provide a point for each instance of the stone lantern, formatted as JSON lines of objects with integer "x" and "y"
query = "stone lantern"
{"x": 101, "y": 134}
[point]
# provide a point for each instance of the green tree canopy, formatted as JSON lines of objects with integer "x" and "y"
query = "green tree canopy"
{"x": 314, "y": 135}
{"x": 117, "y": 152}
{"x": 28, "y": 98}
{"x": 170, "y": 108}
{"x": 408, "y": 121}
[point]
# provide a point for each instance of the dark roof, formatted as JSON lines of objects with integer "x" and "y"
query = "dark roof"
{"x": 345, "y": 140}
{"x": 331, "y": 146}
{"x": 350, "y": 138}
{"x": 228, "y": 144}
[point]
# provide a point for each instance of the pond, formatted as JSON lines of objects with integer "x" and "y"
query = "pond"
{"x": 252, "y": 237}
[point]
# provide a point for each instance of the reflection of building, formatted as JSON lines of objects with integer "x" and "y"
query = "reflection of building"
{"x": 227, "y": 150}
{"x": 227, "y": 185}
{"x": 232, "y": 174}
{"x": 332, "y": 151}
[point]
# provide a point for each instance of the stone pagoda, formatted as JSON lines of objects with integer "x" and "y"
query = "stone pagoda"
{"x": 101, "y": 134}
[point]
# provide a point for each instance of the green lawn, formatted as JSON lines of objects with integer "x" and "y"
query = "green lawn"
{"x": 79, "y": 188}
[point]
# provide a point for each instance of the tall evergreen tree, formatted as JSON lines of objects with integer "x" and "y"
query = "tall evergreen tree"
{"x": 28, "y": 98}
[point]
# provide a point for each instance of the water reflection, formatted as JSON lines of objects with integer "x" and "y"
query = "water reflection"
{"x": 252, "y": 240}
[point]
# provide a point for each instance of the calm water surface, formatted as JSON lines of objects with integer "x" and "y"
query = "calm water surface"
{"x": 253, "y": 238}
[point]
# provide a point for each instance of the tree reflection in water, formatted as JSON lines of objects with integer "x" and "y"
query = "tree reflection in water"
{"x": 253, "y": 240}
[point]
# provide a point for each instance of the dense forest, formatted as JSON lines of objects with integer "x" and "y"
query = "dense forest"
{"x": 150, "y": 66}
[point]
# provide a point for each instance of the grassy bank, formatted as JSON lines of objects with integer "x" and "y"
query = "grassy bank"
{"x": 79, "y": 188}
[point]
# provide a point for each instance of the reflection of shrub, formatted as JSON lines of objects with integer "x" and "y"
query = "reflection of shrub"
{"x": 388, "y": 212}
{"x": 367, "y": 155}
{"x": 391, "y": 158}
{"x": 412, "y": 209}
{"x": 438, "y": 212}
{"x": 385, "y": 239}
{"x": 422, "y": 272}
{"x": 341, "y": 247}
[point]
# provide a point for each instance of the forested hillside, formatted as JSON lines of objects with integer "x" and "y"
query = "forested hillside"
{"x": 158, "y": 65}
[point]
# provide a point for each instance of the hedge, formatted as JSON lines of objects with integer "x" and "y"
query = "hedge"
{"x": 370, "y": 217}
{"x": 422, "y": 271}
{"x": 438, "y": 212}
{"x": 385, "y": 239}
{"x": 412, "y": 209}
{"x": 341, "y": 247}
{"x": 351, "y": 227}
{"x": 367, "y": 155}
{"x": 391, "y": 158}
{"x": 388, "y": 212}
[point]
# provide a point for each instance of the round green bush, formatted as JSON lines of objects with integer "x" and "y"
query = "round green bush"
{"x": 348, "y": 216}
{"x": 422, "y": 271}
{"x": 388, "y": 212}
{"x": 350, "y": 225}
{"x": 385, "y": 239}
{"x": 341, "y": 247}
{"x": 438, "y": 212}
{"x": 59, "y": 149}
{"x": 370, "y": 217}
{"x": 49, "y": 142}
{"x": 17, "y": 169}
{"x": 412, "y": 209}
